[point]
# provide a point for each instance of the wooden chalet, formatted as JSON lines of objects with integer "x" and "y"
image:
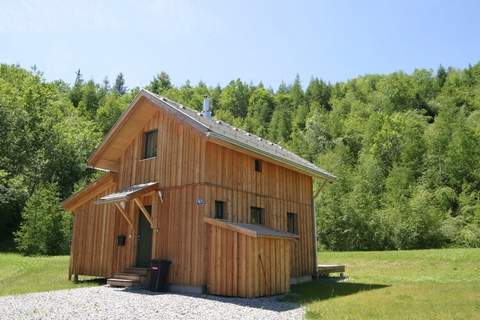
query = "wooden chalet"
{"x": 233, "y": 212}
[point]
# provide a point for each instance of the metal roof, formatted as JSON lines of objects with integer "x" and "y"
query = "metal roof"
{"x": 250, "y": 229}
{"x": 128, "y": 193}
{"x": 230, "y": 134}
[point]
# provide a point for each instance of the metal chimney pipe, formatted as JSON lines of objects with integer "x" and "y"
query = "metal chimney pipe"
{"x": 206, "y": 107}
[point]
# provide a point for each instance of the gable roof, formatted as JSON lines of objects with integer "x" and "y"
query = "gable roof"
{"x": 90, "y": 191}
{"x": 213, "y": 129}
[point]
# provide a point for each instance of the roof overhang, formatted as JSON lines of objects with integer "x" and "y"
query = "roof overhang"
{"x": 291, "y": 164}
{"x": 129, "y": 193}
{"x": 89, "y": 192}
{"x": 251, "y": 230}
{"x": 126, "y": 128}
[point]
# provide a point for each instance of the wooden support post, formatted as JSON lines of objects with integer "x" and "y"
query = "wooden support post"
{"x": 144, "y": 211}
{"x": 124, "y": 214}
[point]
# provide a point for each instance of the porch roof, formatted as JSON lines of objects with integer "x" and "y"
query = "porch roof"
{"x": 129, "y": 193}
{"x": 250, "y": 229}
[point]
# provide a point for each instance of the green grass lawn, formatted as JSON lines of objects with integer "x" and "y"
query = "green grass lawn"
{"x": 417, "y": 284}
{"x": 19, "y": 274}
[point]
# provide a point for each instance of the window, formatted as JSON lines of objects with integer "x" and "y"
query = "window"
{"x": 292, "y": 223}
{"x": 219, "y": 210}
{"x": 258, "y": 165}
{"x": 150, "y": 144}
{"x": 257, "y": 215}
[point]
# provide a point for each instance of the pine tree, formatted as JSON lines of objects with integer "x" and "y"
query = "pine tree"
{"x": 45, "y": 228}
{"x": 119, "y": 86}
{"x": 441, "y": 76}
{"x": 77, "y": 90}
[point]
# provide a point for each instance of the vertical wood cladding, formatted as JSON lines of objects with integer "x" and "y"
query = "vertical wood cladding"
{"x": 189, "y": 167}
{"x": 245, "y": 266}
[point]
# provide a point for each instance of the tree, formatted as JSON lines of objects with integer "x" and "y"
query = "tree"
{"x": 280, "y": 127}
{"x": 318, "y": 95}
{"x": 260, "y": 108}
{"x": 77, "y": 90}
{"x": 119, "y": 86}
{"x": 296, "y": 92}
{"x": 405, "y": 147}
{"x": 441, "y": 75}
{"x": 90, "y": 99}
{"x": 160, "y": 83}
{"x": 45, "y": 228}
{"x": 234, "y": 98}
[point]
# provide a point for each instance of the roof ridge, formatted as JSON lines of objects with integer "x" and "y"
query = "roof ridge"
{"x": 225, "y": 131}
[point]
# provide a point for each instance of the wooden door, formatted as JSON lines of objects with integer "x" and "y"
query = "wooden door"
{"x": 144, "y": 241}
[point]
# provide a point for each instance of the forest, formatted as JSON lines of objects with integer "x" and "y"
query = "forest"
{"x": 404, "y": 146}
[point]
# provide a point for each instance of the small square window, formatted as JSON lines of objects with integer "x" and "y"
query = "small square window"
{"x": 257, "y": 215}
{"x": 219, "y": 210}
{"x": 292, "y": 222}
{"x": 150, "y": 144}
{"x": 258, "y": 165}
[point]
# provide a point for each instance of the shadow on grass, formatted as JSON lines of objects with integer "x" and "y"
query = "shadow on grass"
{"x": 325, "y": 289}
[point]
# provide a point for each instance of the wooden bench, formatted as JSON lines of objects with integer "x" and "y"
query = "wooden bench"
{"x": 324, "y": 270}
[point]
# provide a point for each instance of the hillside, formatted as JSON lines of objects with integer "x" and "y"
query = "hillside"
{"x": 404, "y": 146}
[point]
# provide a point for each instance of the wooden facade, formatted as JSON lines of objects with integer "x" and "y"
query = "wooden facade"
{"x": 192, "y": 171}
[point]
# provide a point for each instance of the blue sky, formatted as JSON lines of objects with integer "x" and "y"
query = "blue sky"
{"x": 217, "y": 41}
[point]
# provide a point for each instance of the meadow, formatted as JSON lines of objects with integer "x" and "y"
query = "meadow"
{"x": 415, "y": 284}
{"x": 20, "y": 274}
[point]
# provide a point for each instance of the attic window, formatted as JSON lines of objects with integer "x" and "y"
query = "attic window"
{"x": 292, "y": 223}
{"x": 258, "y": 165}
{"x": 257, "y": 215}
{"x": 219, "y": 209}
{"x": 150, "y": 144}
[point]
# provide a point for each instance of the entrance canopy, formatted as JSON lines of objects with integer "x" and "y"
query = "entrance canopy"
{"x": 134, "y": 193}
{"x": 129, "y": 193}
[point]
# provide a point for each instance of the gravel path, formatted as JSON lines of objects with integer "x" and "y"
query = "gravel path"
{"x": 110, "y": 303}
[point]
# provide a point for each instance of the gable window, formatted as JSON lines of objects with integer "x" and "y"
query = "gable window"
{"x": 257, "y": 215}
{"x": 150, "y": 144}
{"x": 258, "y": 165}
{"x": 219, "y": 210}
{"x": 292, "y": 222}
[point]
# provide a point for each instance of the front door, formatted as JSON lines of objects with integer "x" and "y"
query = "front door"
{"x": 144, "y": 240}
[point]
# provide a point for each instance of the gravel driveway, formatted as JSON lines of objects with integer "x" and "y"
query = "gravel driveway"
{"x": 110, "y": 303}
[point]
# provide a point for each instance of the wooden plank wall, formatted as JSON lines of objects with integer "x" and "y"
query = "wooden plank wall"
{"x": 244, "y": 266}
{"x": 93, "y": 237}
{"x": 181, "y": 234}
{"x": 180, "y": 150}
{"x": 231, "y": 177}
{"x": 189, "y": 167}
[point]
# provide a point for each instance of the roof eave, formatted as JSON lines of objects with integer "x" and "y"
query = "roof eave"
{"x": 95, "y": 155}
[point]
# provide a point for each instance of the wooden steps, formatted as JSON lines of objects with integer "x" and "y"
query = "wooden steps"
{"x": 124, "y": 283}
{"x": 132, "y": 277}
